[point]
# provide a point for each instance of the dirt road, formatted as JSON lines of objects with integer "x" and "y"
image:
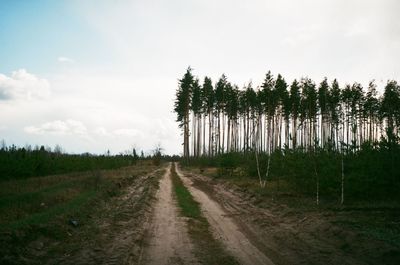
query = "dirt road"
{"x": 226, "y": 229}
{"x": 169, "y": 242}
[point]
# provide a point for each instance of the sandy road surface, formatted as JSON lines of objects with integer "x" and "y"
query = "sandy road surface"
{"x": 225, "y": 228}
{"x": 169, "y": 241}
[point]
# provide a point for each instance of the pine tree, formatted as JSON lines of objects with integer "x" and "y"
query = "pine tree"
{"x": 268, "y": 102}
{"x": 323, "y": 94}
{"x": 371, "y": 108}
{"x": 208, "y": 108}
{"x": 196, "y": 108}
{"x": 334, "y": 106}
{"x": 220, "y": 105}
{"x": 281, "y": 95}
{"x": 390, "y": 111}
{"x": 295, "y": 98}
{"x": 182, "y": 107}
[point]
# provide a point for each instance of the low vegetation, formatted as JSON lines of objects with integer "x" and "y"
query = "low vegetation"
{"x": 46, "y": 210}
{"x": 370, "y": 175}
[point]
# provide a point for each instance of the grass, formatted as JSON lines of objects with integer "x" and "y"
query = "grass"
{"x": 28, "y": 197}
{"x": 207, "y": 249}
{"x": 189, "y": 207}
{"x": 376, "y": 224}
{"x": 51, "y": 200}
{"x": 39, "y": 208}
{"x": 46, "y": 216}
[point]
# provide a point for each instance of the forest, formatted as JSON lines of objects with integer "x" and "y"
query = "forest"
{"x": 330, "y": 140}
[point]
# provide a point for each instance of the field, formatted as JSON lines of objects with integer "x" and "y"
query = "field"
{"x": 46, "y": 218}
{"x": 164, "y": 213}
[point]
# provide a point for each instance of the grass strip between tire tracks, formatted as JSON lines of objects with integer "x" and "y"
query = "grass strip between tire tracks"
{"x": 207, "y": 249}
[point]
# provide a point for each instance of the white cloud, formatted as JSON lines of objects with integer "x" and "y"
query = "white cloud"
{"x": 302, "y": 35}
{"x": 127, "y": 132}
{"x": 122, "y": 132}
{"x": 23, "y": 85}
{"x": 59, "y": 127}
{"x": 101, "y": 131}
{"x": 63, "y": 59}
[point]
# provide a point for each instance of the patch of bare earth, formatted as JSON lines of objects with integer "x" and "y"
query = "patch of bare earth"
{"x": 225, "y": 227}
{"x": 168, "y": 241}
{"x": 119, "y": 228}
{"x": 288, "y": 236}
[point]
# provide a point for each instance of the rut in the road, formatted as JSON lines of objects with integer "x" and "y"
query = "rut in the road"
{"x": 235, "y": 241}
{"x": 169, "y": 241}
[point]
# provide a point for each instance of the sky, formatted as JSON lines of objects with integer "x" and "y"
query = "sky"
{"x": 101, "y": 75}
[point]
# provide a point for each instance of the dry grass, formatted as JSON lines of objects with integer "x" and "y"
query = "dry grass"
{"x": 41, "y": 207}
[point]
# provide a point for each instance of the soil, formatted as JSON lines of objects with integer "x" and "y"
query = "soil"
{"x": 119, "y": 230}
{"x": 168, "y": 241}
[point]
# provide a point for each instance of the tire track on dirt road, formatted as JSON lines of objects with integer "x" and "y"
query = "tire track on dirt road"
{"x": 169, "y": 241}
{"x": 226, "y": 229}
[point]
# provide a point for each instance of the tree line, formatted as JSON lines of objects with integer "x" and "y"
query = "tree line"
{"x": 28, "y": 161}
{"x": 220, "y": 117}
{"x": 322, "y": 138}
